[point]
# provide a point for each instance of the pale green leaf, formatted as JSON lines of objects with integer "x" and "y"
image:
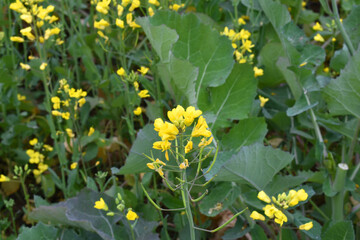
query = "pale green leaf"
{"x": 340, "y": 231}
{"x": 38, "y": 232}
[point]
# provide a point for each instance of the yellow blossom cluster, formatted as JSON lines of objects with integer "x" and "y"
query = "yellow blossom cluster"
{"x": 180, "y": 119}
{"x": 274, "y": 208}
{"x": 71, "y": 97}
{"x": 36, "y": 157}
{"x": 319, "y": 28}
{"x": 36, "y": 16}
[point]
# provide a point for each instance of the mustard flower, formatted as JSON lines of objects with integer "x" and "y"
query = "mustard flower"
{"x": 73, "y": 165}
{"x": 65, "y": 115}
{"x": 204, "y": 142}
{"x": 306, "y": 226}
{"x": 70, "y": 132}
{"x": 257, "y": 216}
{"x": 189, "y": 146}
{"x": 43, "y": 66}
{"x": 168, "y": 131}
{"x": 244, "y": 34}
{"x": 50, "y": 32}
{"x": 154, "y": 2}
{"x": 56, "y": 113}
{"x": 16, "y": 39}
{"x": 102, "y": 24}
{"x": 25, "y": 66}
{"x": 319, "y": 38}
{"x": 246, "y": 45}
{"x": 81, "y": 102}
{"x": 184, "y": 164}
{"x": 131, "y": 215}
{"x": 41, "y": 168}
{"x": 164, "y": 146}
{"x": 258, "y": 72}
{"x": 103, "y": 6}
{"x": 200, "y": 128}
{"x": 176, "y": 7}
{"x": 121, "y": 72}
{"x": 326, "y": 69}
{"x": 317, "y": 27}
{"x": 119, "y": 23}
{"x": 56, "y": 102}
{"x": 143, "y": 70}
{"x": 157, "y": 166}
{"x": 48, "y": 148}
{"x": 91, "y": 131}
{"x": 124, "y": 3}
{"x": 190, "y": 114}
{"x": 21, "y": 97}
{"x": 136, "y": 85}
{"x": 18, "y": 6}
{"x": 120, "y": 10}
{"x": 176, "y": 116}
{"x": 241, "y": 21}
{"x": 135, "y": 4}
{"x": 263, "y": 197}
{"x": 263, "y": 100}
{"x": 101, "y": 205}
{"x": 33, "y": 141}
{"x": 137, "y": 111}
{"x": 144, "y": 94}
{"x": 27, "y": 33}
{"x": 280, "y": 217}
{"x": 4, "y": 178}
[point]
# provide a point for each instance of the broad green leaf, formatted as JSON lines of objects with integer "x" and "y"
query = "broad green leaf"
{"x": 352, "y": 26}
{"x": 343, "y": 93}
{"x": 38, "y": 232}
{"x": 80, "y": 212}
{"x": 136, "y": 161}
{"x": 197, "y": 43}
{"x": 246, "y": 132}
{"x": 340, "y": 59}
{"x": 256, "y": 165}
{"x": 340, "y": 231}
{"x": 300, "y": 106}
{"x": 223, "y": 194}
{"x": 276, "y": 12}
{"x": 225, "y": 103}
{"x": 285, "y": 183}
{"x": 290, "y": 77}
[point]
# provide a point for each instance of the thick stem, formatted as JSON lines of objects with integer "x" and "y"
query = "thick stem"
{"x": 338, "y": 186}
{"x": 185, "y": 197}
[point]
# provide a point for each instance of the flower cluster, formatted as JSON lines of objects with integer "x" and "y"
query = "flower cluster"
{"x": 39, "y": 17}
{"x": 331, "y": 30}
{"x": 180, "y": 120}
{"x": 36, "y": 156}
{"x": 120, "y": 205}
{"x": 72, "y": 99}
{"x": 274, "y": 208}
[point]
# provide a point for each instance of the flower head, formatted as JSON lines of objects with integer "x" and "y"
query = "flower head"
{"x": 319, "y": 38}
{"x": 263, "y": 197}
{"x": 306, "y": 226}
{"x": 131, "y": 215}
{"x": 263, "y": 100}
{"x": 257, "y": 216}
{"x": 144, "y": 94}
{"x": 4, "y": 178}
{"x": 101, "y": 205}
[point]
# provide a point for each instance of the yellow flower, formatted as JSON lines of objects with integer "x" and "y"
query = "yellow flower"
{"x": 156, "y": 166}
{"x": 263, "y": 100}
{"x": 188, "y": 146}
{"x": 184, "y": 164}
{"x": 135, "y": 4}
{"x": 26, "y": 17}
{"x": 102, "y": 24}
{"x": 306, "y": 226}
{"x": 4, "y": 178}
{"x": 48, "y": 148}
{"x": 154, "y": 2}
{"x": 16, "y": 39}
{"x": 168, "y": 131}
{"x": 136, "y": 85}
{"x": 326, "y": 69}
{"x": 143, "y": 70}
{"x": 151, "y": 12}
{"x": 244, "y": 34}
{"x": 257, "y": 216}
{"x": 317, "y": 27}
{"x": 65, "y": 115}
{"x": 302, "y": 64}
{"x": 176, "y": 7}
{"x": 33, "y": 141}
{"x": 73, "y": 165}
{"x": 21, "y": 97}
{"x": 246, "y": 45}
{"x": 200, "y": 128}
{"x": 120, "y": 10}
{"x": 176, "y": 116}
{"x": 319, "y": 38}
{"x": 270, "y": 210}
{"x": 280, "y": 217}
{"x": 56, "y": 113}
{"x": 131, "y": 215}
{"x": 190, "y": 114}
{"x": 204, "y": 142}
{"x": 27, "y": 33}
{"x": 70, "y": 132}
{"x": 103, "y": 6}
{"x": 43, "y": 66}
{"x": 25, "y": 66}
{"x": 333, "y": 39}
{"x": 241, "y": 21}
{"x": 50, "y": 32}
{"x": 101, "y": 205}
{"x": 53, "y": 19}
{"x": 18, "y": 7}
{"x": 263, "y": 197}
{"x": 258, "y": 72}
{"x": 119, "y": 23}
{"x": 81, "y": 102}
{"x": 124, "y": 3}
{"x": 137, "y": 111}
{"x": 56, "y": 101}
{"x": 144, "y": 93}
{"x": 302, "y": 195}
{"x": 91, "y": 131}
{"x": 164, "y": 146}
{"x": 41, "y": 168}
{"x": 121, "y": 72}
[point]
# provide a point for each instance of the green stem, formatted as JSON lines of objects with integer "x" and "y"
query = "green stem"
{"x": 185, "y": 198}
{"x": 319, "y": 210}
{"x": 338, "y": 186}
{"x": 13, "y": 221}
{"x": 353, "y": 142}
{"x": 22, "y": 181}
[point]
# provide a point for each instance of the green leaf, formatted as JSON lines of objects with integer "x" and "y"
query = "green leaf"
{"x": 290, "y": 77}
{"x": 256, "y": 165}
{"x": 340, "y": 59}
{"x": 197, "y": 43}
{"x": 314, "y": 232}
{"x": 136, "y": 161}
{"x": 246, "y": 132}
{"x": 223, "y": 194}
{"x": 300, "y": 106}
{"x": 343, "y": 93}
{"x": 225, "y": 104}
{"x": 284, "y": 183}
{"x": 352, "y": 26}
{"x": 38, "y": 232}
{"x": 340, "y": 231}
